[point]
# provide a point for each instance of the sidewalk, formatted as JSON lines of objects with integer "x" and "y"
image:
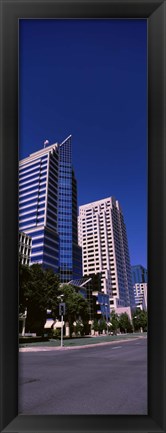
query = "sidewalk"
{"x": 79, "y": 343}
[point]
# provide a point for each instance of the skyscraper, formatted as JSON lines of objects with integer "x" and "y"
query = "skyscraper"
{"x": 103, "y": 238}
{"x": 48, "y": 209}
{"x": 139, "y": 274}
{"x": 139, "y": 280}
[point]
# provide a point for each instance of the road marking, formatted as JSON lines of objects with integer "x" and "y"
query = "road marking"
{"x": 137, "y": 343}
{"x": 117, "y": 347}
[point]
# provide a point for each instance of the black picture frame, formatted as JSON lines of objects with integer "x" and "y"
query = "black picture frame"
{"x": 155, "y": 13}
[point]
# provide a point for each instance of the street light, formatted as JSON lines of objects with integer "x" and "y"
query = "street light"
{"x": 62, "y": 306}
{"x": 23, "y": 317}
{"x": 108, "y": 326}
{"x": 140, "y": 327}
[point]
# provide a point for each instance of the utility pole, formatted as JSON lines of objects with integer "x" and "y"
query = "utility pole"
{"x": 62, "y": 306}
{"x": 61, "y": 330}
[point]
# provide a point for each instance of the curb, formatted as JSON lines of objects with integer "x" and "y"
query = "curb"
{"x": 49, "y": 349}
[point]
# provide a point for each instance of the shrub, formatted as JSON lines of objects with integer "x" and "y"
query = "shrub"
{"x": 56, "y": 333}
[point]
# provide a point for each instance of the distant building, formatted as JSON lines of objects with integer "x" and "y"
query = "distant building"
{"x": 140, "y": 293}
{"x": 48, "y": 208}
{"x": 139, "y": 279}
{"x": 103, "y": 238}
{"x": 99, "y": 307}
{"x": 127, "y": 310}
{"x": 25, "y": 246}
{"x": 139, "y": 274}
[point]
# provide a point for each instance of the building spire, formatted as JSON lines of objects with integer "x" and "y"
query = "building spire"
{"x": 46, "y": 142}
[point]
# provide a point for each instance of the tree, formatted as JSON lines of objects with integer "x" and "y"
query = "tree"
{"x": 51, "y": 291}
{"x": 38, "y": 290}
{"x": 95, "y": 325}
{"x": 114, "y": 320}
{"x": 79, "y": 327}
{"x": 124, "y": 323}
{"x": 76, "y": 306}
{"x": 25, "y": 276}
{"x": 102, "y": 325}
{"x": 140, "y": 319}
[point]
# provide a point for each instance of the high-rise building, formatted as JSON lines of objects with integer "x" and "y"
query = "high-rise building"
{"x": 103, "y": 238}
{"x": 139, "y": 274}
{"x": 48, "y": 209}
{"x": 139, "y": 280}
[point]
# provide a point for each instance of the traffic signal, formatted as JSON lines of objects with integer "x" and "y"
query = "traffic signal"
{"x": 62, "y": 309}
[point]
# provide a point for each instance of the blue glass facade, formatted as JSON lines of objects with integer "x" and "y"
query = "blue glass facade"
{"x": 70, "y": 252}
{"x": 103, "y": 305}
{"x": 48, "y": 209}
{"x": 37, "y": 206}
{"x": 77, "y": 250}
{"x": 139, "y": 274}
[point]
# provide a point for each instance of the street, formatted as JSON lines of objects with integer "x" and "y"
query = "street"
{"x": 110, "y": 379}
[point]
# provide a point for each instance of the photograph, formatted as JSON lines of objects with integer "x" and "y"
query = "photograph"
{"x": 82, "y": 216}
{"x": 83, "y": 184}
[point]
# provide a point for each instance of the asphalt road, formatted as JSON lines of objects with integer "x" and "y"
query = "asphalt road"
{"x": 108, "y": 379}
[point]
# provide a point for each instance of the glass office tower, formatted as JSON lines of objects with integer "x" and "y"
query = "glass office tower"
{"x": 139, "y": 274}
{"x": 48, "y": 209}
{"x": 70, "y": 262}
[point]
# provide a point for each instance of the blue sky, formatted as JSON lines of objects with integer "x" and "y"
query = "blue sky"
{"x": 88, "y": 78}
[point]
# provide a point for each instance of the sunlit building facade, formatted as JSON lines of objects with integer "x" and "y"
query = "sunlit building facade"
{"x": 103, "y": 238}
{"x": 25, "y": 245}
{"x": 48, "y": 209}
{"x": 140, "y": 294}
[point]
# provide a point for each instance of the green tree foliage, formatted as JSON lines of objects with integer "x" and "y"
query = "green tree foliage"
{"x": 51, "y": 291}
{"x": 114, "y": 320}
{"x": 25, "y": 276}
{"x": 38, "y": 291}
{"x": 124, "y": 323}
{"x": 140, "y": 319}
{"x": 102, "y": 325}
{"x": 76, "y": 306}
{"x": 95, "y": 325}
{"x": 79, "y": 327}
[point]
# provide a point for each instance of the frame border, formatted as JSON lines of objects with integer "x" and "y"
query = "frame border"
{"x": 155, "y": 13}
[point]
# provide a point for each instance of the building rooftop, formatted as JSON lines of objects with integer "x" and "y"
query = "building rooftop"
{"x": 81, "y": 282}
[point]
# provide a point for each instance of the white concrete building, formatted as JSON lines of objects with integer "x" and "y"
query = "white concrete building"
{"x": 140, "y": 294}
{"x": 102, "y": 236}
{"x": 25, "y": 246}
